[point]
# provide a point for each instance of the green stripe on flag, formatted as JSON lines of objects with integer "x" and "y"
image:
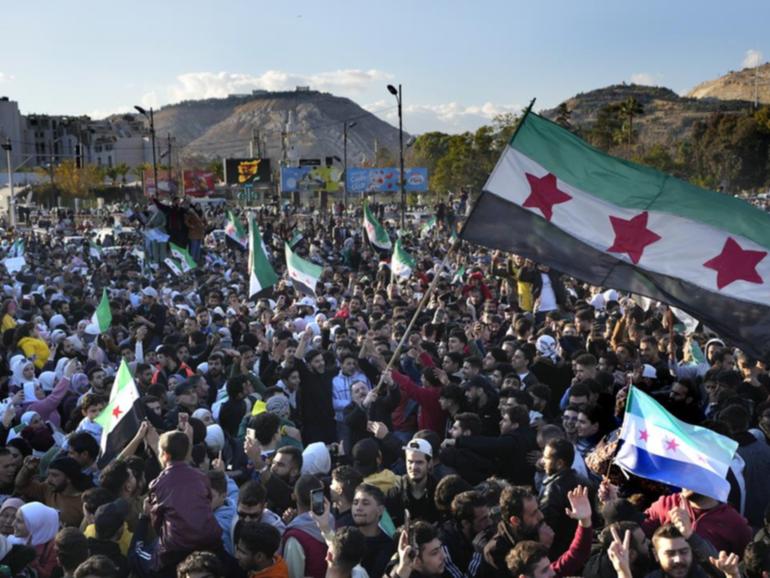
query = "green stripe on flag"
{"x": 633, "y": 186}
{"x": 303, "y": 272}
{"x": 186, "y": 262}
{"x": 706, "y": 440}
{"x": 102, "y": 317}
{"x": 261, "y": 273}
{"x": 402, "y": 263}
{"x": 375, "y": 232}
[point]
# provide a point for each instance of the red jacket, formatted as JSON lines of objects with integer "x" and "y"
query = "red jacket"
{"x": 722, "y": 526}
{"x": 431, "y": 416}
{"x": 572, "y": 561}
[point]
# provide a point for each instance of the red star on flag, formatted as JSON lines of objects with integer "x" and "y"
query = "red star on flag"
{"x": 632, "y": 236}
{"x": 117, "y": 411}
{"x": 544, "y": 194}
{"x": 643, "y": 435}
{"x": 736, "y": 264}
{"x": 671, "y": 445}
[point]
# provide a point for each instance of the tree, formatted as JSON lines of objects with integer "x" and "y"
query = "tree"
{"x": 607, "y": 126}
{"x": 122, "y": 169}
{"x": 630, "y": 108}
{"x": 77, "y": 182}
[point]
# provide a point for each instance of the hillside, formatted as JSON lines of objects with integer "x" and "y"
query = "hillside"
{"x": 667, "y": 118}
{"x": 223, "y": 127}
{"x": 738, "y": 85}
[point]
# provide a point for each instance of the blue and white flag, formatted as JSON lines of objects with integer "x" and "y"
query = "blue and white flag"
{"x": 659, "y": 447}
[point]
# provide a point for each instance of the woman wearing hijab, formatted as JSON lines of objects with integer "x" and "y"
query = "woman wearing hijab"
{"x": 36, "y": 400}
{"x": 36, "y": 525}
{"x": 8, "y": 515}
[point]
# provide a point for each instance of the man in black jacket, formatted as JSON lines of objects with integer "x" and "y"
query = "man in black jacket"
{"x": 558, "y": 456}
{"x": 470, "y": 517}
{"x": 315, "y": 394}
{"x": 509, "y": 449}
{"x": 471, "y": 466}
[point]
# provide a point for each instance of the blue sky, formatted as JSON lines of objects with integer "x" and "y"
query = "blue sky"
{"x": 460, "y": 62}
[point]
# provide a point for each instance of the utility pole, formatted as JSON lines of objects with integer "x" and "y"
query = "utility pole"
{"x": 255, "y": 145}
{"x": 345, "y": 128}
{"x": 170, "y": 162}
{"x": 11, "y": 200}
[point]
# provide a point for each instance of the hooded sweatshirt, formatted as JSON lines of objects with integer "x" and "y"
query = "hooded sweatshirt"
{"x": 279, "y": 569}
{"x": 304, "y": 548}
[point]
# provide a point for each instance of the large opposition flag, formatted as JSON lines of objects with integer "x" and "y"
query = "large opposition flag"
{"x": 375, "y": 232}
{"x": 235, "y": 231}
{"x": 121, "y": 418}
{"x": 556, "y": 200}
{"x": 261, "y": 273}
{"x": 402, "y": 263}
{"x": 660, "y": 447}
{"x": 304, "y": 274}
{"x": 102, "y": 317}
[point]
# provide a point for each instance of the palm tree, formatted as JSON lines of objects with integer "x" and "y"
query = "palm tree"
{"x": 630, "y": 108}
{"x": 122, "y": 170}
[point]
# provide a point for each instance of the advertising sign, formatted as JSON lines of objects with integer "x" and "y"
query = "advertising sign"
{"x": 362, "y": 180}
{"x": 199, "y": 183}
{"x": 311, "y": 178}
{"x": 247, "y": 171}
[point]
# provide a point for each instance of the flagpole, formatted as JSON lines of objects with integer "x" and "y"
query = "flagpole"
{"x": 420, "y": 307}
{"x": 513, "y": 137}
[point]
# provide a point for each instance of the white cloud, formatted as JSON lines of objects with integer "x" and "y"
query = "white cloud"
{"x": 451, "y": 117}
{"x": 753, "y": 58}
{"x": 5, "y": 77}
{"x": 199, "y": 85}
{"x": 646, "y": 78}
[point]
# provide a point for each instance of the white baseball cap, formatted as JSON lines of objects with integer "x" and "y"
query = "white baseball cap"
{"x": 419, "y": 445}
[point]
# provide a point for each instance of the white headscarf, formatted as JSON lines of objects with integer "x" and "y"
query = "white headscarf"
{"x": 59, "y": 370}
{"x": 28, "y": 416}
{"x": 29, "y": 392}
{"x": 215, "y": 437}
{"x": 42, "y": 523}
{"x": 18, "y": 362}
{"x": 316, "y": 459}
{"x": 201, "y": 413}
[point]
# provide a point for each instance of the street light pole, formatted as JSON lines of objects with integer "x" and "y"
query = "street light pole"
{"x": 346, "y": 126}
{"x": 397, "y": 93}
{"x": 151, "y": 118}
{"x": 11, "y": 201}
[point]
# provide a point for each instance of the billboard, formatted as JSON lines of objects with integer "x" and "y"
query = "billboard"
{"x": 166, "y": 185}
{"x": 199, "y": 183}
{"x": 311, "y": 178}
{"x": 247, "y": 171}
{"x": 361, "y": 180}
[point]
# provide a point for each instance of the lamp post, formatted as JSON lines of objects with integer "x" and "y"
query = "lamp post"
{"x": 397, "y": 93}
{"x": 346, "y": 126}
{"x": 149, "y": 116}
{"x": 7, "y": 147}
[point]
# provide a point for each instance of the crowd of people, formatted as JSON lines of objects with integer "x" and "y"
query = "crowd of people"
{"x": 287, "y": 435}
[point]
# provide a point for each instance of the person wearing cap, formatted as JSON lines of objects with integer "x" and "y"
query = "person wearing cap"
{"x": 186, "y": 402}
{"x": 152, "y": 314}
{"x": 415, "y": 489}
{"x": 62, "y": 488}
{"x": 109, "y": 523}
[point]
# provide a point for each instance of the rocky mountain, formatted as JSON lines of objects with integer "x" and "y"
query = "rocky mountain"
{"x": 303, "y": 123}
{"x": 667, "y": 118}
{"x": 740, "y": 85}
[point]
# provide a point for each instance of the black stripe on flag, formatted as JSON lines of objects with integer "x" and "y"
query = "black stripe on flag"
{"x": 122, "y": 433}
{"x": 501, "y": 224}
